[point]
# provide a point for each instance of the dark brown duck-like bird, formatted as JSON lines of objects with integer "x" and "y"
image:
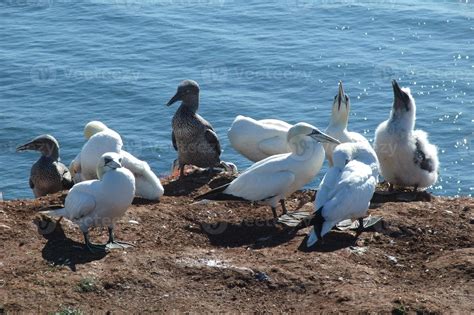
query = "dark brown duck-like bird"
{"x": 48, "y": 175}
{"x": 193, "y": 136}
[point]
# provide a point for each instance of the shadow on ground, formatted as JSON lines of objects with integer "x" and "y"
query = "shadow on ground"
{"x": 61, "y": 250}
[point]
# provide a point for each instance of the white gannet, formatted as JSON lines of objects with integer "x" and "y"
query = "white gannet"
{"x": 193, "y": 136}
{"x": 406, "y": 157}
{"x": 101, "y": 139}
{"x": 100, "y": 202}
{"x": 271, "y": 180}
{"x": 258, "y": 139}
{"x": 337, "y": 128}
{"x": 346, "y": 189}
{"x": 48, "y": 175}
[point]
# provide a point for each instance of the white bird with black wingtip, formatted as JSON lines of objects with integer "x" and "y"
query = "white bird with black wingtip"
{"x": 406, "y": 156}
{"x": 273, "y": 179}
{"x": 346, "y": 189}
{"x": 100, "y": 202}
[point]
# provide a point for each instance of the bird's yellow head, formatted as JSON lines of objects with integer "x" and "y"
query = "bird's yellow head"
{"x": 93, "y": 127}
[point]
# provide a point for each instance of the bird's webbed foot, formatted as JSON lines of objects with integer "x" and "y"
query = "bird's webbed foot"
{"x": 114, "y": 244}
{"x": 93, "y": 248}
{"x": 118, "y": 245}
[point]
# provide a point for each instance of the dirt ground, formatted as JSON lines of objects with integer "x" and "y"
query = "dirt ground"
{"x": 232, "y": 257}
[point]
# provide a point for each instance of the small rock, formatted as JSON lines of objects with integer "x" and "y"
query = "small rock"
{"x": 133, "y": 222}
{"x": 262, "y": 276}
{"x": 358, "y": 250}
{"x": 471, "y": 220}
{"x": 392, "y": 259}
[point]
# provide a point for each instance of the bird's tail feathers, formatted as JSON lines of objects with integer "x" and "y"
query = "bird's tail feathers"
{"x": 218, "y": 194}
{"x": 312, "y": 238}
{"x": 313, "y": 219}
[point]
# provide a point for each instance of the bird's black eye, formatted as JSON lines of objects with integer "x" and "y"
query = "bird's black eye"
{"x": 120, "y": 160}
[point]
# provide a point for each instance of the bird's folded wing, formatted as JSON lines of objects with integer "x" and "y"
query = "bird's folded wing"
{"x": 327, "y": 188}
{"x": 351, "y": 194}
{"x": 212, "y": 139}
{"x": 66, "y": 178}
{"x": 173, "y": 140}
{"x": 261, "y": 185}
{"x": 79, "y": 204}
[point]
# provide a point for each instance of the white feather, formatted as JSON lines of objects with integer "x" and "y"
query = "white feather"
{"x": 347, "y": 187}
{"x": 395, "y": 145}
{"x": 258, "y": 139}
{"x": 99, "y": 202}
{"x": 337, "y": 127}
{"x": 105, "y": 140}
{"x": 277, "y": 176}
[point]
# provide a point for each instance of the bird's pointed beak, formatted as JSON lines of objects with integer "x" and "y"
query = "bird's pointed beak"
{"x": 400, "y": 98}
{"x": 322, "y": 137}
{"x": 27, "y": 146}
{"x": 174, "y": 99}
{"x": 113, "y": 164}
{"x": 340, "y": 95}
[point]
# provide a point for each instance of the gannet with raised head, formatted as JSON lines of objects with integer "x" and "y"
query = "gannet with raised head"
{"x": 101, "y": 139}
{"x": 406, "y": 157}
{"x": 193, "y": 136}
{"x": 48, "y": 175}
{"x": 100, "y": 202}
{"x": 258, "y": 139}
{"x": 271, "y": 180}
{"x": 346, "y": 189}
{"x": 337, "y": 127}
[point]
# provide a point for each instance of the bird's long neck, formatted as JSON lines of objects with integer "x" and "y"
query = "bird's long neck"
{"x": 339, "y": 119}
{"x": 302, "y": 146}
{"x": 51, "y": 151}
{"x": 191, "y": 103}
{"x": 404, "y": 121}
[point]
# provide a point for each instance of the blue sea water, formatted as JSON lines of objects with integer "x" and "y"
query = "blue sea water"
{"x": 64, "y": 63}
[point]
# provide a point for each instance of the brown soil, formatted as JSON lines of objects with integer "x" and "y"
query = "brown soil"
{"x": 231, "y": 256}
